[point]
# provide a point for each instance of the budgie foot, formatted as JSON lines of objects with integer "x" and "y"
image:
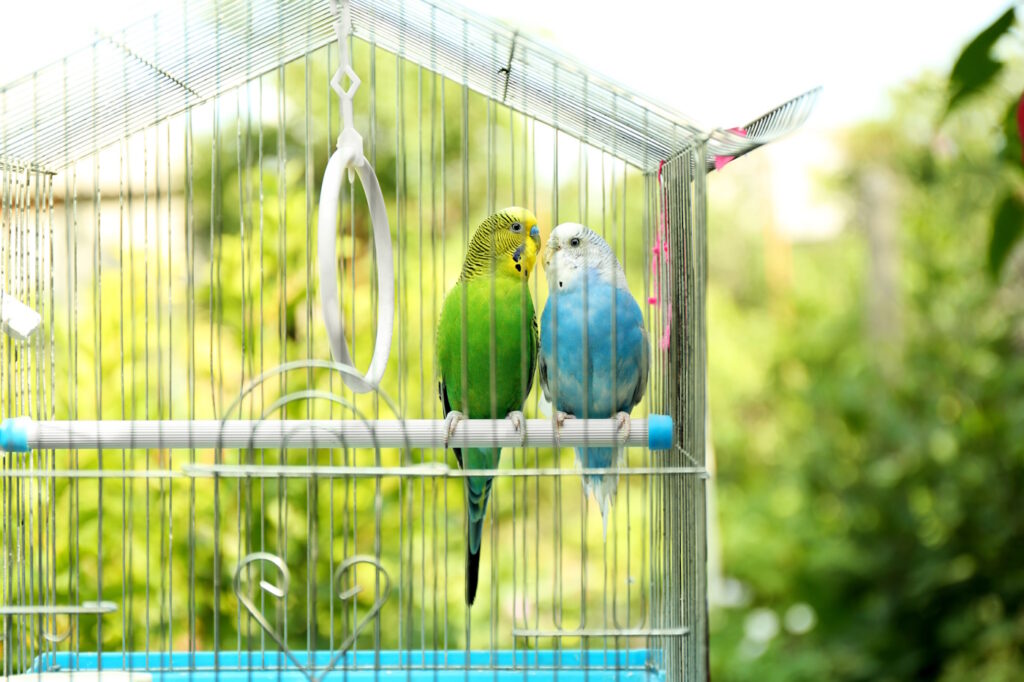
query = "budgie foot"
{"x": 622, "y": 424}
{"x": 560, "y": 418}
{"x": 450, "y": 422}
{"x": 518, "y": 420}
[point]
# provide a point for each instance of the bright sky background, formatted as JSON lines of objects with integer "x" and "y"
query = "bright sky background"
{"x": 724, "y": 62}
{"x": 721, "y": 62}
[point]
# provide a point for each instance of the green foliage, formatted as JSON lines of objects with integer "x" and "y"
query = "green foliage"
{"x": 976, "y": 71}
{"x": 1013, "y": 151}
{"x": 975, "y": 68}
{"x": 883, "y": 495}
{"x": 1006, "y": 231}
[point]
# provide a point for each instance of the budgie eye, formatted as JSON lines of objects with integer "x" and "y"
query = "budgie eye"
{"x": 517, "y": 227}
{"x": 575, "y": 241}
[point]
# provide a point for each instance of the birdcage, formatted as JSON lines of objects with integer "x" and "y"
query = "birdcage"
{"x": 212, "y": 220}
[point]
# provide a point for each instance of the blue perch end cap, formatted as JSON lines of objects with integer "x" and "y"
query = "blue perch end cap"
{"x": 659, "y": 432}
{"x": 14, "y": 435}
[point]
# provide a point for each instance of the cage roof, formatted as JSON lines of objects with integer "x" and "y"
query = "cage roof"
{"x": 157, "y": 68}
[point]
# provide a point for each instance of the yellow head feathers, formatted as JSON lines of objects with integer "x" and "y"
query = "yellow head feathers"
{"x": 505, "y": 243}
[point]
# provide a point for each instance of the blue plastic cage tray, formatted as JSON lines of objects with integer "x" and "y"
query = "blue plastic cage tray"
{"x": 633, "y": 665}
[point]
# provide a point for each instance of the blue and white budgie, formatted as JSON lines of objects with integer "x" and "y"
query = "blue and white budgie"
{"x": 584, "y": 275}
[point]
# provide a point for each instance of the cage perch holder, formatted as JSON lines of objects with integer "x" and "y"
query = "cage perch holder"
{"x": 46, "y": 614}
{"x": 17, "y": 319}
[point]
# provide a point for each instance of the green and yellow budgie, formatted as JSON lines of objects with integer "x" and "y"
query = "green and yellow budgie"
{"x": 487, "y": 350}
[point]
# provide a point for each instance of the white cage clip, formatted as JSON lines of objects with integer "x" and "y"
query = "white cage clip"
{"x": 349, "y": 155}
{"x": 18, "y": 320}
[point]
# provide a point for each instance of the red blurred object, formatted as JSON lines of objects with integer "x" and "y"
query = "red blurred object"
{"x": 1020, "y": 124}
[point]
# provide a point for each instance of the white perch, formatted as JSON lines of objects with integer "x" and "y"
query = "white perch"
{"x": 23, "y": 434}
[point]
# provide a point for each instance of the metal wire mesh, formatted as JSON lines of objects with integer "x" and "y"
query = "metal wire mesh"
{"x": 158, "y": 212}
{"x": 193, "y": 53}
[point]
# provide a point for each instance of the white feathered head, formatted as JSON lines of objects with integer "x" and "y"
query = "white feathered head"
{"x": 573, "y": 250}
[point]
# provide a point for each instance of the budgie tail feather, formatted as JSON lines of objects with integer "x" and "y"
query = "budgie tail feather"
{"x": 476, "y": 505}
{"x": 602, "y": 486}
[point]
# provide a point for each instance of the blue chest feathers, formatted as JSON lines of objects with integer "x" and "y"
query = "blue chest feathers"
{"x": 594, "y": 348}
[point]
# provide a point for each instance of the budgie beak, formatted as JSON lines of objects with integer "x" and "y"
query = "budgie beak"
{"x": 517, "y": 255}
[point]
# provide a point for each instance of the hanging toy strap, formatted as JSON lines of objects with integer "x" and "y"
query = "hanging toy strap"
{"x": 349, "y": 155}
{"x": 349, "y": 138}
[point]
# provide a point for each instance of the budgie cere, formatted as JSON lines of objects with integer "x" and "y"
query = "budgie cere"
{"x": 595, "y": 352}
{"x": 487, "y": 350}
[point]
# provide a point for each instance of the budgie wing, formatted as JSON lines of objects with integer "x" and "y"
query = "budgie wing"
{"x": 542, "y": 370}
{"x": 645, "y": 367}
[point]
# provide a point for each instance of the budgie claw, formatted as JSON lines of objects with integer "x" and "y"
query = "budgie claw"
{"x": 622, "y": 426}
{"x": 450, "y": 422}
{"x": 560, "y": 418}
{"x": 519, "y": 424}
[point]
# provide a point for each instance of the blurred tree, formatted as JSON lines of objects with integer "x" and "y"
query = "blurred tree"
{"x": 870, "y": 512}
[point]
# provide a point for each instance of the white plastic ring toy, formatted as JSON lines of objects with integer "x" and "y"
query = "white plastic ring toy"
{"x": 349, "y": 156}
{"x": 346, "y": 157}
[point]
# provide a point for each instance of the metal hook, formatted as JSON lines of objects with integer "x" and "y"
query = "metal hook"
{"x": 507, "y": 69}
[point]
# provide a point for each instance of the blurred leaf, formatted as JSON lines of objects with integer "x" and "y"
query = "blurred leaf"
{"x": 975, "y": 68}
{"x": 1012, "y": 151}
{"x": 1006, "y": 232}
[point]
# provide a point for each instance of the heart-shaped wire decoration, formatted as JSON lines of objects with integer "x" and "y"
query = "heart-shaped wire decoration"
{"x": 280, "y": 591}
